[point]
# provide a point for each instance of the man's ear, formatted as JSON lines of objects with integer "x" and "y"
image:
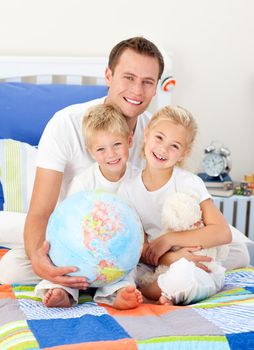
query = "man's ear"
{"x": 108, "y": 76}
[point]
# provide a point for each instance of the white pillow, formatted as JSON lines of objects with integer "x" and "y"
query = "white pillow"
{"x": 11, "y": 229}
{"x": 17, "y": 165}
{"x": 239, "y": 237}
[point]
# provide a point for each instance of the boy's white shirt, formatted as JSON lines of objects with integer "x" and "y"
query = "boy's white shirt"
{"x": 62, "y": 148}
{"x": 92, "y": 178}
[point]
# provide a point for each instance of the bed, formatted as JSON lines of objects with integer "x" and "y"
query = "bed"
{"x": 224, "y": 321}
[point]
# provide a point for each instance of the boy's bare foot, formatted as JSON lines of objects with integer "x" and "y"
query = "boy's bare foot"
{"x": 57, "y": 297}
{"x": 164, "y": 301}
{"x": 128, "y": 298}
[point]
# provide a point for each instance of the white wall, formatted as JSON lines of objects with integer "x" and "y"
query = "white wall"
{"x": 211, "y": 42}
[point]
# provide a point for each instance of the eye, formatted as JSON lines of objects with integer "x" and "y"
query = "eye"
{"x": 129, "y": 77}
{"x": 148, "y": 82}
{"x": 117, "y": 144}
{"x": 100, "y": 149}
{"x": 176, "y": 147}
{"x": 158, "y": 137}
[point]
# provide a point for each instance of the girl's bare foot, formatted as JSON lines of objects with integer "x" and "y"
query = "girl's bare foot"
{"x": 164, "y": 301}
{"x": 128, "y": 298}
{"x": 57, "y": 297}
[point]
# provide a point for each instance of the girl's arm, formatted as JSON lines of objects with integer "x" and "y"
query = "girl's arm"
{"x": 215, "y": 232}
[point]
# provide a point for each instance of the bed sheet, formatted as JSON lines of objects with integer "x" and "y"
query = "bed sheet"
{"x": 224, "y": 321}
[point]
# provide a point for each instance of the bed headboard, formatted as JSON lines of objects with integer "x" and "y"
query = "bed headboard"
{"x": 32, "y": 89}
{"x": 36, "y": 87}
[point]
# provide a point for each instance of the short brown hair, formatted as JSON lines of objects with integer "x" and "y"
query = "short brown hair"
{"x": 104, "y": 117}
{"x": 139, "y": 45}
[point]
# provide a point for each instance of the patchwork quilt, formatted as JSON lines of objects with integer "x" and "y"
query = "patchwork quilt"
{"x": 224, "y": 321}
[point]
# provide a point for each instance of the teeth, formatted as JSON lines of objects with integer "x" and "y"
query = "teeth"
{"x": 132, "y": 101}
{"x": 114, "y": 161}
{"x": 159, "y": 157}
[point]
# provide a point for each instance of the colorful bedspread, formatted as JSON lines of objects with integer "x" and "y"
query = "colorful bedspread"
{"x": 225, "y": 321}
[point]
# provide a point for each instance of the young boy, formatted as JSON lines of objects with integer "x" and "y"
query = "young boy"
{"x": 107, "y": 138}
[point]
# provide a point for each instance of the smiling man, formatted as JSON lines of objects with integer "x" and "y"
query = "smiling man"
{"x": 134, "y": 68}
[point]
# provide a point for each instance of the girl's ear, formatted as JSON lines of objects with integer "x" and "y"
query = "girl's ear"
{"x": 185, "y": 154}
{"x": 108, "y": 76}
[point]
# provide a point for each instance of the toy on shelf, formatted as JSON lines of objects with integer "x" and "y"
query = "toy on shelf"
{"x": 246, "y": 187}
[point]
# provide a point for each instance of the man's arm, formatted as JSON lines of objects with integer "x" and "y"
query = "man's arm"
{"x": 44, "y": 198}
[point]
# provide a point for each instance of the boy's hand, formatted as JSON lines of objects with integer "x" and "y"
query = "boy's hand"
{"x": 43, "y": 267}
{"x": 156, "y": 249}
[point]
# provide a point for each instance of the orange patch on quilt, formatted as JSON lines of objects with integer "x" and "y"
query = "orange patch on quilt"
{"x": 142, "y": 310}
{"x": 6, "y": 292}
{"x": 125, "y": 344}
{"x": 2, "y": 252}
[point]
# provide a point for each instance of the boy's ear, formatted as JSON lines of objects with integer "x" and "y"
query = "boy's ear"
{"x": 130, "y": 139}
{"x": 89, "y": 152}
{"x": 108, "y": 76}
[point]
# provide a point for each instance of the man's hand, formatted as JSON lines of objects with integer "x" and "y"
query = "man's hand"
{"x": 43, "y": 267}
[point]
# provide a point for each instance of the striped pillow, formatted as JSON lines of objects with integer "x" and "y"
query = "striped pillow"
{"x": 17, "y": 171}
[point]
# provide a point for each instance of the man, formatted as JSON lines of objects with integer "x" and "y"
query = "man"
{"x": 134, "y": 68}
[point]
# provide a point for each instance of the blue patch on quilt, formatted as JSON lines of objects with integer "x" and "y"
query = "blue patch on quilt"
{"x": 87, "y": 328}
{"x": 250, "y": 289}
{"x": 1, "y": 197}
{"x": 241, "y": 341}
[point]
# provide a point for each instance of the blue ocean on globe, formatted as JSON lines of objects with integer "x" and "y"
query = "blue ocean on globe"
{"x": 97, "y": 232}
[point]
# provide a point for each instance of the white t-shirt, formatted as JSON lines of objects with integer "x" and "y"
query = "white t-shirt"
{"x": 92, "y": 178}
{"x": 61, "y": 147}
{"x": 149, "y": 203}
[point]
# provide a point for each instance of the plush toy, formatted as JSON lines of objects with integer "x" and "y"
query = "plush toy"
{"x": 181, "y": 212}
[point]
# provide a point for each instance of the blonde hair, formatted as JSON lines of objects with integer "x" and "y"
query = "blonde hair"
{"x": 103, "y": 117}
{"x": 179, "y": 116}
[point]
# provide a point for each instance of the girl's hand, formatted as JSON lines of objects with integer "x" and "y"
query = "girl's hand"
{"x": 187, "y": 253}
{"x": 156, "y": 249}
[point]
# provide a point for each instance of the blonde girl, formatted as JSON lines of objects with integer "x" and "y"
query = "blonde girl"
{"x": 168, "y": 141}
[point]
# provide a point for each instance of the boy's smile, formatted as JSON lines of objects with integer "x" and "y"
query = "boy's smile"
{"x": 111, "y": 152}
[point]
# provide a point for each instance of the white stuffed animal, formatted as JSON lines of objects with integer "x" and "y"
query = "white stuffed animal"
{"x": 181, "y": 212}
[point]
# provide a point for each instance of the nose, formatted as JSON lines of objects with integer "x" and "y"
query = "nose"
{"x": 111, "y": 152}
{"x": 137, "y": 87}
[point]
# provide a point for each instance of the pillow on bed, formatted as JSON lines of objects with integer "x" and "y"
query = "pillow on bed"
{"x": 17, "y": 168}
{"x": 26, "y": 108}
{"x": 11, "y": 229}
{"x": 239, "y": 237}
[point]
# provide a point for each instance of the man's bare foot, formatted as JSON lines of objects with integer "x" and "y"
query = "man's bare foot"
{"x": 164, "y": 301}
{"x": 57, "y": 297}
{"x": 128, "y": 298}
